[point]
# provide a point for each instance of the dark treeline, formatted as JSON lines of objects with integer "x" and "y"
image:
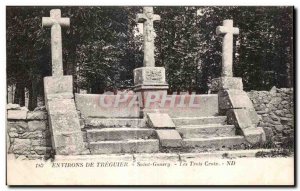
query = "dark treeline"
{"x": 102, "y": 47}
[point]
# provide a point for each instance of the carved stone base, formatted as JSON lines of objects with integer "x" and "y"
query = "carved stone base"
{"x": 151, "y": 83}
{"x": 153, "y": 76}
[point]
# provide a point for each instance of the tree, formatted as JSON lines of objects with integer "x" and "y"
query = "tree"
{"x": 191, "y": 51}
{"x": 25, "y": 40}
{"x": 98, "y": 48}
{"x": 101, "y": 48}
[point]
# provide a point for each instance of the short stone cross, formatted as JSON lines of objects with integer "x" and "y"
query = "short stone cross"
{"x": 55, "y": 21}
{"x": 229, "y": 31}
{"x": 147, "y": 18}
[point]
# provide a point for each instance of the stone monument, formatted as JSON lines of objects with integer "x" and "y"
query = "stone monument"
{"x": 149, "y": 78}
{"x": 151, "y": 81}
{"x": 227, "y": 81}
{"x": 55, "y": 21}
{"x": 233, "y": 101}
{"x": 59, "y": 99}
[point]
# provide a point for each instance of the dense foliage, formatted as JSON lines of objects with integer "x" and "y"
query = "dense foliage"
{"x": 102, "y": 47}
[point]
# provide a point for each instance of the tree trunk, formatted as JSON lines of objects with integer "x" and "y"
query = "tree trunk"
{"x": 20, "y": 94}
{"x": 32, "y": 103}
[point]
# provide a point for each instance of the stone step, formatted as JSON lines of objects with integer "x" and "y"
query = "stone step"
{"x": 106, "y": 134}
{"x": 204, "y": 131}
{"x": 180, "y": 121}
{"x": 115, "y": 123}
{"x": 214, "y": 142}
{"x": 127, "y": 146}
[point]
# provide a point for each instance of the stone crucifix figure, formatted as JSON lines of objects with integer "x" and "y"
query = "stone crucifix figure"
{"x": 228, "y": 30}
{"x": 55, "y": 21}
{"x": 147, "y": 18}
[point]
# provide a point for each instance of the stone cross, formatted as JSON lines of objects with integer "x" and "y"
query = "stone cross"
{"x": 55, "y": 21}
{"x": 147, "y": 18}
{"x": 228, "y": 30}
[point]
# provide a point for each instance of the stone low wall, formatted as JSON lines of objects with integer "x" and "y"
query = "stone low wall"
{"x": 276, "y": 111}
{"x": 28, "y": 134}
{"x": 120, "y": 106}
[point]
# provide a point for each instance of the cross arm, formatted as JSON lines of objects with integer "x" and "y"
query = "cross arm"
{"x": 140, "y": 18}
{"x": 223, "y": 30}
{"x": 156, "y": 18}
{"x": 48, "y": 21}
{"x": 235, "y": 30}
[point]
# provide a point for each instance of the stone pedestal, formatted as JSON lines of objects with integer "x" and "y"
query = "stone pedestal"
{"x": 226, "y": 83}
{"x": 153, "y": 78}
{"x": 150, "y": 82}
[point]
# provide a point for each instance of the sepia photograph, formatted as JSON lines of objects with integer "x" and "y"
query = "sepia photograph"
{"x": 150, "y": 95}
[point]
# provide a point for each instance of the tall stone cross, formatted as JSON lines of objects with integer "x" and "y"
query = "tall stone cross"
{"x": 228, "y": 30}
{"x": 147, "y": 18}
{"x": 55, "y": 21}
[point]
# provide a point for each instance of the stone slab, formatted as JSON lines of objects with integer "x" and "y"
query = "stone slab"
{"x": 169, "y": 138}
{"x": 234, "y": 99}
{"x": 239, "y": 118}
{"x": 160, "y": 121}
{"x": 64, "y": 122}
{"x": 253, "y": 116}
{"x": 61, "y": 84}
{"x": 68, "y": 143}
{"x": 107, "y": 106}
{"x": 226, "y": 83}
{"x": 61, "y": 106}
{"x": 16, "y": 114}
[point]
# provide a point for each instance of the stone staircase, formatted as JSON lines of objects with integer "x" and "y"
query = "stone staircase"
{"x": 207, "y": 132}
{"x": 131, "y": 135}
{"x": 119, "y": 135}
